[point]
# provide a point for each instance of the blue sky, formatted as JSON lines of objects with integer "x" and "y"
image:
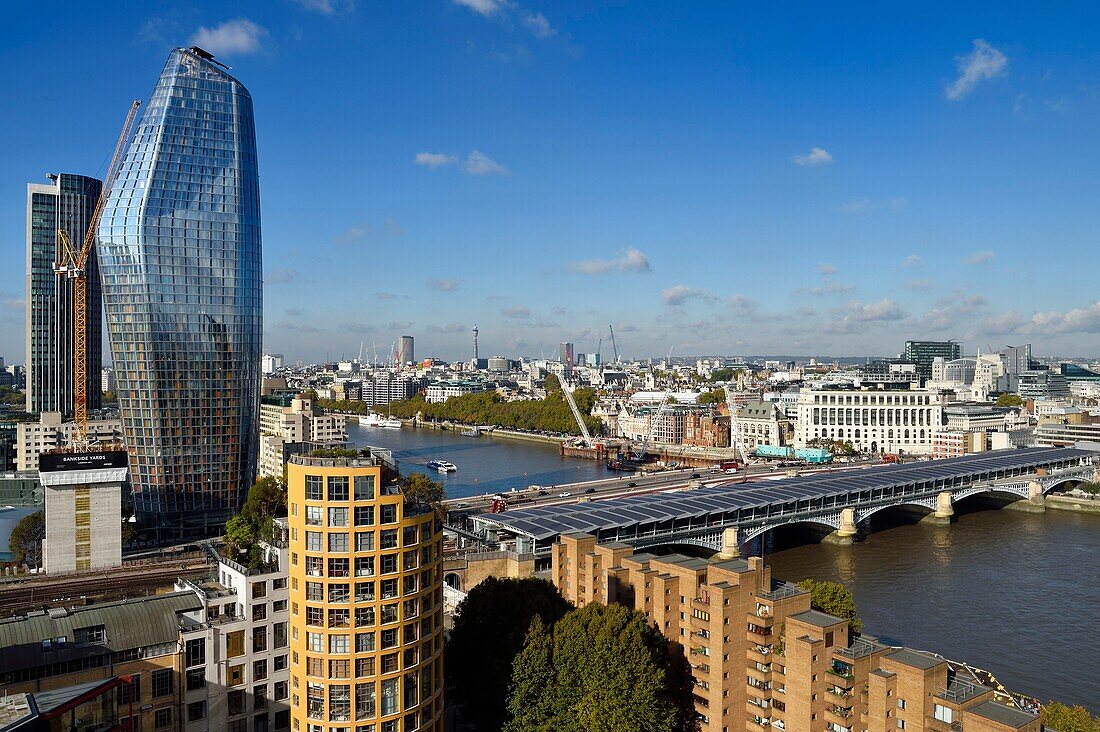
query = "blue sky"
{"x": 709, "y": 177}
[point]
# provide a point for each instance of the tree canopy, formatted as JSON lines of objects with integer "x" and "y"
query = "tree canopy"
{"x": 602, "y": 668}
{"x": 1010, "y": 400}
{"x": 714, "y": 396}
{"x": 421, "y": 490}
{"x": 26, "y": 539}
{"x": 1065, "y": 718}
{"x": 550, "y": 414}
{"x": 489, "y": 630}
{"x": 255, "y": 523}
{"x": 833, "y": 598}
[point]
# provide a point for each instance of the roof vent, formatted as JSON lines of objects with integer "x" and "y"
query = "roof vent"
{"x": 57, "y": 612}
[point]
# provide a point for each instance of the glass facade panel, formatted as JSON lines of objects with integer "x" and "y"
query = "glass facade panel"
{"x": 179, "y": 257}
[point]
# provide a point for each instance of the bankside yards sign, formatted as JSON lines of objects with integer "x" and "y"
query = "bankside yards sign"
{"x": 57, "y": 462}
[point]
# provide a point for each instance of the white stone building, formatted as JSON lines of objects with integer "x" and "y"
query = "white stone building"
{"x": 50, "y": 432}
{"x": 288, "y": 423}
{"x": 877, "y": 421}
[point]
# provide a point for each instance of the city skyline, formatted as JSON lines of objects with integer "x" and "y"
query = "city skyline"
{"x": 709, "y": 180}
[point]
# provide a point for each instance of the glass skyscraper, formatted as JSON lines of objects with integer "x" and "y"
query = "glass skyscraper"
{"x": 179, "y": 254}
{"x": 66, "y": 202}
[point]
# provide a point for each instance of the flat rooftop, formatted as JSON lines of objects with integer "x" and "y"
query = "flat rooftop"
{"x": 546, "y": 523}
{"x": 1003, "y": 714}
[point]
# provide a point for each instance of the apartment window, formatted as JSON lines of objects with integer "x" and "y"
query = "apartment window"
{"x": 364, "y": 701}
{"x": 364, "y": 541}
{"x": 259, "y": 670}
{"x": 259, "y": 698}
{"x": 389, "y": 663}
{"x": 338, "y": 487}
{"x": 338, "y": 568}
{"x": 901, "y": 724}
{"x": 339, "y": 593}
{"x": 259, "y": 590}
{"x": 235, "y": 675}
{"x": 237, "y": 725}
{"x": 364, "y": 667}
{"x": 259, "y": 612}
{"x": 944, "y": 714}
{"x": 234, "y": 644}
{"x": 389, "y": 638}
{"x": 389, "y": 563}
{"x": 389, "y": 697}
{"x": 338, "y": 644}
{"x": 901, "y": 704}
{"x": 315, "y": 541}
{"x": 337, "y": 517}
{"x": 315, "y": 666}
{"x": 195, "y": 679}
{"x": 388, "y": 589}
{"x": 236, "y": 702}
{"x": 339, "y": 668}
{"x": 315, "y": 516}
{"x": 315, "y": 591}
{"x": 339, "y": 618}
{"x": 162, "y": 718}
{"x": 278, "y": 606}
{"x": 282, "y": 719}
{"x": 339, "y": 700}
{"x": 282, "y": 691}
{"x": 364, "y": 566}
{"x": 280, "y": 663}
{"x": 388, "y": 539}
{"x": 196, "y": 652}
{"x": 315, "y": 642}
{"x": 315, "y": 566}
{"x": 278, "y": 583}
{"x": 364, "y": 616}
{"x": 389, "y": 613}
{"x": 278, "y": 631}
{"x": 364, "y": 591}
{"x": 364, "y": 642}
{"x": 364, "y": 515}
{"x": 315, "y": 488}
{"x": 364, "y": 487}
{"x": 162, "y": 683}
{"x": 388, "y": 514}
{"x": 196, "y": 711}
{"x": 129, "y": 693}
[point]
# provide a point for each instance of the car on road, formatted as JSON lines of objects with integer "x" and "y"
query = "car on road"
{"x": 730, "y": 471}
{"x": 589, "y": 490}
{"x": 564, "y": 494}
{"x": 694, "y": 475}
{"x": 544, "y": 493}
{"x": 631, "y": 484}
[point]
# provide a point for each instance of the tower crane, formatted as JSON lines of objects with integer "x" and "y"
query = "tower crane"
{"x": 567, "y": 391}
{"x": 613, "y": 346}
{"x": 653, "y": 422}
{"x": 735, "y": 427}
{"x": 72, "y": 264}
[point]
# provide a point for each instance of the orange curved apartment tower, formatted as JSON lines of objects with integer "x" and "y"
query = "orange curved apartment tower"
{"x": 366, "y": 600}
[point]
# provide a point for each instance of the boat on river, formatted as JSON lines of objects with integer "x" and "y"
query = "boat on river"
{"x": 442, "y": 466}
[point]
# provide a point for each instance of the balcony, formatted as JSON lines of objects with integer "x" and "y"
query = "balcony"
{"x": 959, "y": 691}
{"x": 756, "y": 722}
{"x": 700, "y": 603}
{"x": 758, "y": 635}
{"x": 840, "y": 692}
{"x": 763, "y": 621}
{"x": 762, "y": 675}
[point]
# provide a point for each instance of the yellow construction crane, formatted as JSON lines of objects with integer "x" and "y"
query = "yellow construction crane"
{"x": 72, "y": 264}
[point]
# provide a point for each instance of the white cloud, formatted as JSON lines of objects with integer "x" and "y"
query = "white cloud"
{"x": 816, "y": 156}
{"x": 826, "y": 269}
{"x": 434, "y": 160}
{"x": 912, "y": 261}
{"x": 874, "y": 311}
{"x": 539, "y": 25}
{"x": 833, "y": 288}
{"x": 450, "y": 328}
{"x": 984, "y": 62}
{"x": 983, "y": 257}
{"x": 240, "y": 36}
{"x": 1077, "y": 320}
{"x": 282, "y": 276}
{"x": 484, "y": 8}
{"x": 743, "y": 304}
{"x": 478, "y": 163}
{"x": 516, "y": 312}
{"x": 856, "y": 205}
{"x": 631, "y": 260}
{"x": 328, "y": 7}
{"x": 680, "y": 294}
{"x": 443, "y": 285}
{"x": 952, "y": 311}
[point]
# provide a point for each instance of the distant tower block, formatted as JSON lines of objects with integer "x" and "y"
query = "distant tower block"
{"x": 405, "y": 350}
{"x": 475, "y": 345}
{"x": 83, "y": 510}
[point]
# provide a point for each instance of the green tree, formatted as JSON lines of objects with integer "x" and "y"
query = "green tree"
{"x": 1065, "y": 718}
{"x": 26, "y": 539}
{"x": 1011, "y": 400}
{"x": 255, "y": 523}
{"x": 266, "y": 499}
{"x": 609, "y": 671}
{"x": 489, "y": 630}
{"x": 421, "y": 490}
{"x": 715, "y": 396}
{"x": 833, "y": 598}
{"x": 552, "y": 383}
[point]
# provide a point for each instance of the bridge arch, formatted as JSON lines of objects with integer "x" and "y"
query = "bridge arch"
{"x": 1048, "y": 487}
{"x": 920, "y": 506}
{"x": 828, "y": 524}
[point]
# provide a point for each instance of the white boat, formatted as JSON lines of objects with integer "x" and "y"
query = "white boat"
{"x": 442, "y": 466}
{"x": 371, "y": 420}
{"x": 472, "y": 432}
{"x": 391, "y": 423}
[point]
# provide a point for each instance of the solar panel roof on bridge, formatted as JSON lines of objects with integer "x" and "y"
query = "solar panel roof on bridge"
{"x": 545, "y": 522}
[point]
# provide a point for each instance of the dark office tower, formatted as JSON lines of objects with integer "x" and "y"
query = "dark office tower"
{"x": 923, "y": 353}
{"x": 567, "y": 355}
{"x": 66, "y": 202}
{"x": 180, "y": 261}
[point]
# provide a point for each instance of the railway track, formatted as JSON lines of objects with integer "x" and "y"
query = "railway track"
{"x": 130, "y": 580}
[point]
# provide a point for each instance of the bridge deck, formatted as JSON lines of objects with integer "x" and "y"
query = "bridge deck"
{"x": 739, "y": 503}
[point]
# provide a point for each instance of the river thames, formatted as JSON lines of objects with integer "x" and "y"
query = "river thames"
{"x": 1013, "y": 593}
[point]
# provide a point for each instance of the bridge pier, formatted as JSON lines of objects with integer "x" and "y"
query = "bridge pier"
{"x": 731, "y": 545}
{"x": 944, "y": 512}
{"x": 846, "y": 534}
{"x": 1036, "y": 502}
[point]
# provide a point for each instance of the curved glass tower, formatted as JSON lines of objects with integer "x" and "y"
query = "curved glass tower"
{"x": 179, "y": 258}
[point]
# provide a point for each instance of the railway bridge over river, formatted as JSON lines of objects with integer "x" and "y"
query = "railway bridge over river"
{"x": 728, "y": 516}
